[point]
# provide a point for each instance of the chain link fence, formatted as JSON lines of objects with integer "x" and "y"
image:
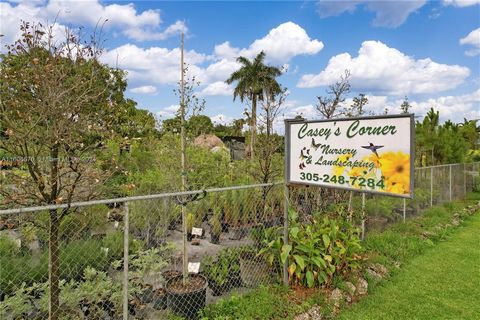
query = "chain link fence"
{"x": 123, "y": 258}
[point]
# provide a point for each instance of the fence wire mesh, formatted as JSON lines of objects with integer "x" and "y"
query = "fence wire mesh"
{"x": 124, "y": 259}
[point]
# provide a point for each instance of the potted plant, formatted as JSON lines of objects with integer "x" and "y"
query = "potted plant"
{"x": 185, "y": 297}
{"x": 160, "y": 299}
{"x": 216, "y": 272}
{"x": 215, "y": 228}
{"x": 231, "y": 257}
{"x": 169, "y": 274}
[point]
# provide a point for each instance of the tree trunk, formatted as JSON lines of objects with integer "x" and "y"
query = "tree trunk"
{"x": 54, "y": 267}
{"x": 253, "y": 126}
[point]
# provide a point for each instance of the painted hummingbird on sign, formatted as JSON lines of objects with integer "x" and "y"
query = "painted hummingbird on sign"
{"x": 372, "y": 148}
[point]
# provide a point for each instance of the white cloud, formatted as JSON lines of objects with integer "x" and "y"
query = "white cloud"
{"x": 144, "y": 90}
{"x": 125, "y": 18}
{"x": 224, "y": 50}
{"x": 307, "y": 111}
{"x": 382, "y": 69}
{"x": 140, "y": 34}
{"x": 473, "y": 39}
{"x": 280, "y": 45}
{"x": 221, "y": 119}
{"x": 154, "y": 65}
{"x": 169, "y": 112}
{"x": 388, "y": 13}
{"x": 219, "y": 70}
{"x": 451, "y": 107}
{"x": 218, "y": 88}
{"x": 283, "y": 43}
{"x": 460, "y": 3}
{"x": 161, "y": 65}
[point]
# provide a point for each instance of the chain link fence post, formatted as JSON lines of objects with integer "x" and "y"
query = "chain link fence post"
{"x": 125, "y": 262}
{"x": 431, "y": 186}
{"x": 450, "y": 181}
{"x": 285, "y": 233}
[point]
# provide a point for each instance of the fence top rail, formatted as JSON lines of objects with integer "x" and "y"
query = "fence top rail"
{"x": 446, "y": 165}
{"x": 133, "y": 198}
{"x": 164, "y": 195}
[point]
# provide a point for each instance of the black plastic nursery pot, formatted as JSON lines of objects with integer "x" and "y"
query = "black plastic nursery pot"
{"x": 215, "y": 238}
{"x": 218, "y": 290}
{"x": 160, "y": 299}
{"x": 187, "y": 300}
{"x": 169, "y": 274}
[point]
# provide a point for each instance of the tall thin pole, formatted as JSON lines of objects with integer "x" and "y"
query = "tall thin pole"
{"x": 285, "y": 231}
{"x": 184, "y": 171}
{"x": 431, "y": 187}
{"x": 125, "y": 262}
{"x": 404, "y": 209}
{"x": 450, "y": 181}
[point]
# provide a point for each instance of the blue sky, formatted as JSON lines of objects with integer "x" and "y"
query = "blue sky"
{"x": 426, "y": 50}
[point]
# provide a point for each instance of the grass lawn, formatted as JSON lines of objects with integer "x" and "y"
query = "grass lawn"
{"x": 441, "y": 283}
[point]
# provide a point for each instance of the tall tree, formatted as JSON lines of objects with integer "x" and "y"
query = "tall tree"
{"x": 405, "y": 106}
{"x": 58, "y": 105}
{"x": 254, "y": 80}
{"x": 329, "y": 106}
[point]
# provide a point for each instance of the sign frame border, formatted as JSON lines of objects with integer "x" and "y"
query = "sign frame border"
{"x": 289, "y": 122}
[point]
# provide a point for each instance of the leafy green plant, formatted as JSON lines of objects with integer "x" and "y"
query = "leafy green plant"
{"x": 215, "y": 223}
{"x": 216, "y": 270}
{"x": 190, "y": 221}
{"x": 316, "y": 251}
{"x": 8, "y": 247}
{"x": 223, "y": 271}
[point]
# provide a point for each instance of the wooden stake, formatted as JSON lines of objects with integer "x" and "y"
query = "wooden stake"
{"x": 184, "y": 171}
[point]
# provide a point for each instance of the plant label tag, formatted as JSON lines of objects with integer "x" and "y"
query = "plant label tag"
{"x": 116, "y": 224}
{"x": 197, "y": 231}
{"x": 194, "y": 267}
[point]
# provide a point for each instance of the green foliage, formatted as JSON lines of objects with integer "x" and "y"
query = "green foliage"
{"x": 262, "y": 303}
{"x": 113, "y": 242}
{"x": 316, "y": 251}
{"x": 199, "y": 124}
{"x": 215, "y": 222}
{"x": 444, "y": 143}
{"x": 8, "y": 247}
{"x": 476, "y": 184}
{"x": 224, "y": 269}
{"x": 149, "y": 263}
{"x": 453, "y": 296}
{"x": 216, "y": 270}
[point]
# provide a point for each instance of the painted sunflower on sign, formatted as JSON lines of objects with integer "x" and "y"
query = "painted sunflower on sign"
{"x": 395, "y": 168}
{"x": 338, "y": 170}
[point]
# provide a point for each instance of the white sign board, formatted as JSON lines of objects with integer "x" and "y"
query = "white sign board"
{"x": 369, "y": 154}
{"x": 193, "y": 267}
{"x": 197, "y": 231}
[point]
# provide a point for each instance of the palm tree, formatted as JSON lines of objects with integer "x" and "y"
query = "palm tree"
{"x": 255, "y": 81}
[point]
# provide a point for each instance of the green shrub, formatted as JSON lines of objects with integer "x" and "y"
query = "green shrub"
{"x": 476, "y": 184}
{"x": 8, "y": 247}
{"x": 114, "y": 243}
{"x": 316, "y": 251}
{"x": 262, "y": 303}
